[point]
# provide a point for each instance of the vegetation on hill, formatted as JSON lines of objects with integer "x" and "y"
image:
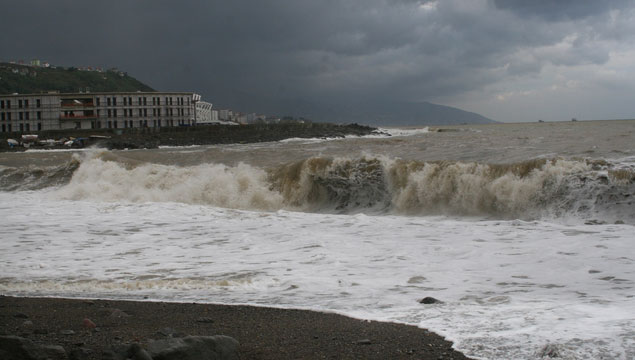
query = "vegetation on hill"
{"x": 23, "y": 79}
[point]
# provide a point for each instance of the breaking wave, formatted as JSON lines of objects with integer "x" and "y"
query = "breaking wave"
{"x": 595, "y": 190}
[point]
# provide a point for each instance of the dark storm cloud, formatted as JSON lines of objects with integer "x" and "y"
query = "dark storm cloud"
{"x": 241, "y": 53}
{"x": 560, "y": 9}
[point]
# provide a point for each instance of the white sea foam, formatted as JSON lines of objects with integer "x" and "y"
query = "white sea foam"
{"x": 242, "y": 186}
{"x": 509, "y": 288}
{"x": 404, "y": 131}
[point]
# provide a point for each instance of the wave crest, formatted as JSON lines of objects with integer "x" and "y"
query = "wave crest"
{"x": 554, "y": 188}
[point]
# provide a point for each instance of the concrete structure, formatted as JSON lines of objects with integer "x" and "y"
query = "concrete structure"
{"x": 53, "y": 111}
{"x": 204, "y": 113}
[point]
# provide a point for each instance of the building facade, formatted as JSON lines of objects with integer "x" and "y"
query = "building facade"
{"x": 55, "y": 111}
{"x": 204, "y": 113}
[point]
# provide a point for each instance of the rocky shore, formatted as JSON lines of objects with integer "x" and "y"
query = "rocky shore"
{"x": 41, "y": 328}
{"x": 149, "y": 138}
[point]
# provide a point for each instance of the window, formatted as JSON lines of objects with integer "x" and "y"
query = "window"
{"x": 114, "y": 113}
{"x": 154, "y": 100}
{"x": 19, "y": 104}
{"x": 39, "y": 115}
{"x": 125, "y": 101}
{"x": 129, "y": 100}
{"x": 139, "y": 101}
{"x": 159, "y": 112}
{"x": 145, "y": 112}
{"x": 109, "y": 113}
{"x": 39, "y": 126}
{"x": 2, "y": 116}
{"x": 38, "y": 102}
{"x": 21, "y": 114}
{"x": 114, "y": 101}
{"x": 4, "y": 129}
{"x": 115, "y": 123}
{"x": 21, "y": 127}
{"x": 108, "y": 101}
{"x": 170, "y": 100}
{"x": 26, "y": 103}
{"x": 28, "y": 127}
{"x": 140, "y": 113}
{"x": 98, "y": 101}
{"x": 27, "y": 115}
{"x": 9, "y": 107}
{"x": 145, "y": 101}
{"x": 1, "y": 104}
{"x": 9, "y": 117}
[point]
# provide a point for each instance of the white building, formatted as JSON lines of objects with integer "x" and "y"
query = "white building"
{"x": 204, "y": 113}
{"x": 55, "y": 111}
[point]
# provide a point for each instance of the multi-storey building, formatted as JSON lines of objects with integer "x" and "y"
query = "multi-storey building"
{"x": 54, "y": 111}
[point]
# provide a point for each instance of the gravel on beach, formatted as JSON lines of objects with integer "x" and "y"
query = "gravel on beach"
{"x": 88, "y": 329}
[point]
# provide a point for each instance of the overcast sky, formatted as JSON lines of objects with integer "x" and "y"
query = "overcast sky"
{"x": 509, "y": 60}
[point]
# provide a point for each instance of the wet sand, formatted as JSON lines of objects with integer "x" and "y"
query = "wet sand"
{"x": 263, "y": 333}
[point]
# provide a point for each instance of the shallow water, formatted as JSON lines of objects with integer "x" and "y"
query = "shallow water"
{"x": 523, "y": 231}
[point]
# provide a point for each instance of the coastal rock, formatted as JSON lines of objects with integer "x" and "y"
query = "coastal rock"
{"x": 217, "y": 347}
{"x": 80, "y": 354}
{"x": 126, "y": 352}
{"x": 430, "y": 300}
{"x": 17, "y": 348}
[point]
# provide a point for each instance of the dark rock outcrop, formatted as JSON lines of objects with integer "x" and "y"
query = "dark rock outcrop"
{"x": 217, "y": 347}
{"x": 17, "y": 348}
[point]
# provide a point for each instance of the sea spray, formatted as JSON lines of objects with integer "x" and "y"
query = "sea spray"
{"x": 533, "y": 189}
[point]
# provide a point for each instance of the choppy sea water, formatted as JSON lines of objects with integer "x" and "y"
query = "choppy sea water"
{"x": 525, "y": 232}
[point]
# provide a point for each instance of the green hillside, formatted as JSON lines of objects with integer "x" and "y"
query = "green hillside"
{"x": 23, "y": 79}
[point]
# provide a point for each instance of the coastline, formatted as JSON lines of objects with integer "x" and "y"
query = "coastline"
{"x": 151, "y": 138}
{"x": 263, "y": 333}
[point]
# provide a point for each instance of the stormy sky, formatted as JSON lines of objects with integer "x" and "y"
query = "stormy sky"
{"x": 509, "y": 60}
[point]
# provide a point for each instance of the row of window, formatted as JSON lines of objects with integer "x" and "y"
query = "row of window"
{"x": 22, "y": 127}
{"x": 144, "y": 112}
{"x": 6, "y": 104}
{"x": 143, "y": 101}
{"x": 114, "y": 124}
{"x": 21, "y": 116}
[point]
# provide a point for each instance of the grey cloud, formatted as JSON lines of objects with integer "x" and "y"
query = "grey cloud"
{"x": 240, "y": 52}
{"x": 553, "y": 10}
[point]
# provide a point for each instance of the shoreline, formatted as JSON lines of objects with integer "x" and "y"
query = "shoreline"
{"x": 262, "y": 332}
{"x": 152, "y": 138}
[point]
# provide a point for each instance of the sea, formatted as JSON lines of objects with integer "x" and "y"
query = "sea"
{"x": 523, "y": 232}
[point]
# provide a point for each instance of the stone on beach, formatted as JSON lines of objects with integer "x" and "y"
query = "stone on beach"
{"x": 88, "y": 324}
{"x": 17, "y": 348}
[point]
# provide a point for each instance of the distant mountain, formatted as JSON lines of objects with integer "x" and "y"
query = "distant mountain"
{"x": 25, "y": 79}
{"x": 401, "y": 114}
{"x": 361, "y": 112}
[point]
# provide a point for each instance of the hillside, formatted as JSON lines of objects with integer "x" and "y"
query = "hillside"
{"x": 24, "y": 79}
{"x": 402, "y": 114}
{"x": 367, "y": 112}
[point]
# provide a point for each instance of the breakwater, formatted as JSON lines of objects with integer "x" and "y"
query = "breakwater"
{"x": 148, "y": 138}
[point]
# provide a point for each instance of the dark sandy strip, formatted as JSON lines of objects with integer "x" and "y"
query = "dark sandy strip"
{"x": 263, "y": 333}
